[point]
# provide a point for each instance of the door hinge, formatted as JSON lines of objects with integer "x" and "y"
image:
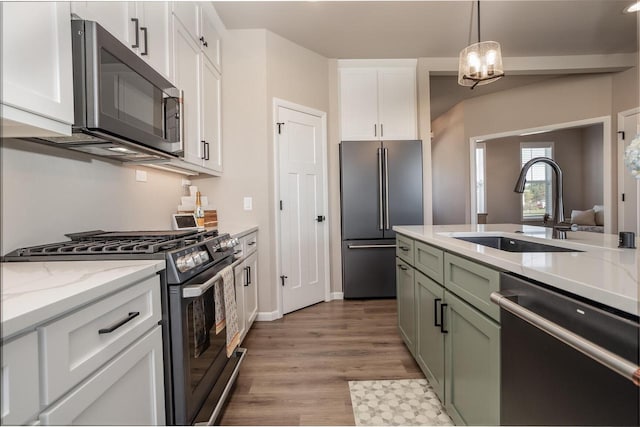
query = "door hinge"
{"x": 279, "y": 124}
{"x": 282, "y": 278}
{"x": 621, "y": 132}
{"x": 623, "y": 197}
{"x": 280, "y": 204}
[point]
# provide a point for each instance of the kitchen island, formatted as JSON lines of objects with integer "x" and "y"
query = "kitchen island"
{"x": 490, "y": 348}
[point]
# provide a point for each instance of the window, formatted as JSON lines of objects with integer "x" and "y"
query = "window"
{"x": 481, "y": 188}
{"x": 537, "y": 197}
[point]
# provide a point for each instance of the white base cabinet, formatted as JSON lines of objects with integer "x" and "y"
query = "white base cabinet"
{"x": 129, "y": 390}
{"x": 246, "y": 281}
{"x": 37, "y": 81}
{"x": 20, "y": 380}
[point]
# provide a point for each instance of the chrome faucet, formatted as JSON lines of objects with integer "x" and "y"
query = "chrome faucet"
{"x": 559, "y": 228}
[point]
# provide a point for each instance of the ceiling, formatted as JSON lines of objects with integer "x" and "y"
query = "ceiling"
{"x": 414, "y": 29}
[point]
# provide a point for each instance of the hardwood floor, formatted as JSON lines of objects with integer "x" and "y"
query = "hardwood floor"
{"x": 297, "y": 369}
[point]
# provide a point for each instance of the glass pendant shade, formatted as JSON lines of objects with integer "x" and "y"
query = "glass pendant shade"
{"x": 480, "y": 63}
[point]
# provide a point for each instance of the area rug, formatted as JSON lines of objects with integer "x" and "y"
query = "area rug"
{"x": 395, "y": 403}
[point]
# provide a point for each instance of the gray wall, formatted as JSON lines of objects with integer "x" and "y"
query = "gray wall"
{"x": 559, "y": 100}
{"x": 49, "y": 191}
{"x": 572, "y": 151}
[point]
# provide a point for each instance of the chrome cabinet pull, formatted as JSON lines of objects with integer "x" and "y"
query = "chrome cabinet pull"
{"x": 137, "y": 31}
{"x": 146, "y": 42}
{"x": 375, "y": 133}
{"x": 115, "y": 326}
{"x": 381, "y": 130}
{"x": 617, "y": 364}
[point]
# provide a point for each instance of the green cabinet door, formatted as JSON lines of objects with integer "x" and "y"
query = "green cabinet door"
{"x": 472, "y": 360}
{"x": 429, "y": 337}
{"x": 406, "y": 303}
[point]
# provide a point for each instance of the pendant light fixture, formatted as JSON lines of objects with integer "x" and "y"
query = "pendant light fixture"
{"x": 480, "y": 63}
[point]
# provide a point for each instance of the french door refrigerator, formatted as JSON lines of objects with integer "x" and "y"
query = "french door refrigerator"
{"x": 381, "y": 186}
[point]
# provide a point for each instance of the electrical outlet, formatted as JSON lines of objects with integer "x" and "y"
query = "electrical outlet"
{"x": 141, "y": 176}
{"x": 248, "y": 203}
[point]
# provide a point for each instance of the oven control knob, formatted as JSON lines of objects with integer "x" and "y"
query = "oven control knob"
{"x": 181, "y": 264}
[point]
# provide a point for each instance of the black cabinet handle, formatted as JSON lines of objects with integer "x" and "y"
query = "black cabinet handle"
{"x": 404, "y": 248}
{"x": 442, "y": 306}
{"x": 249, "y": 267}
{"x": 435, "y": 312}
{"x": 115, "y": 326}
{"x": 137, "y": 43}
{"x": 402, "y": 267}
{"x": 146, "y": 42}
{"x": 251, "y": 243}
{"x": 246, "y": 276}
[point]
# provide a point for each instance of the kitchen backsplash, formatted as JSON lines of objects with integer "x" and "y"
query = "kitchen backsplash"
{"x": 48, "y": 192}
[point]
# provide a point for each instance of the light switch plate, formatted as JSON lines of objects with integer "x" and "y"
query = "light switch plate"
{"x": 141, "y": 176}
{"x": 248, "y": 203}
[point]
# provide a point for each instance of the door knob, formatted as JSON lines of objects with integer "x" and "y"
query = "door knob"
{"x": 320, "y": 218}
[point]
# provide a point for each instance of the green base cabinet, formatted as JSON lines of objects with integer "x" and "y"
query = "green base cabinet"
{"x": 430, "y": 339}
{"x": 472, "y": 360}
{"x": 405, "y": 292}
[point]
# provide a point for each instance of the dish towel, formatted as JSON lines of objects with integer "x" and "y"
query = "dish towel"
{"x": 218, "y": 297}
{"x": 230, "y": 312}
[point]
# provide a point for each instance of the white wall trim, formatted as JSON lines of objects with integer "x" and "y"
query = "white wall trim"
{"x": 277, "y": 103}
{"x": 267, "y": 316}
{"x": 337, "y": 295}
{"x": 622, "y": 115}
{"x": 568, "y": 64}
{"x": 378, "y": 63}
{"x": 607, "y": 179}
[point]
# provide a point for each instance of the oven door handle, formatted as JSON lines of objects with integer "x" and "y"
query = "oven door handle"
{"x": 601, "y": 355}
{"x": 194, "y": 291}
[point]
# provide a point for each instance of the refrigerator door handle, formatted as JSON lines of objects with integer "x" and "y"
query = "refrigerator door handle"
{"x": 386, "y": 189}
{"x": 380, "y": 195}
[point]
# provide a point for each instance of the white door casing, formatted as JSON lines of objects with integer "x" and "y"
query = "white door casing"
{"x": 629, "y": 209}
{"x": 302, "y": 183}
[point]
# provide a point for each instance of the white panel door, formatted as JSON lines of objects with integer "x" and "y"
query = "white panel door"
{"x": 251, "y": 290}
{"x": 156, "y": 48}
{"x": 240, "y": 278}
{"x": 187, "y": 76}
{"x": 628, "y": 218}
{"x": 19, "y": 388}
{"x": 302, "y": 235}
{"x": 397, "y": 103}
{"x": 359, "y": 104}
{"x": 113, "y": 16}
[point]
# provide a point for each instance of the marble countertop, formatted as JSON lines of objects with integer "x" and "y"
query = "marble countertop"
{"x": 236, "y": 230}
{"x": 34, "y": 292}
{"x": 601, "y": 273}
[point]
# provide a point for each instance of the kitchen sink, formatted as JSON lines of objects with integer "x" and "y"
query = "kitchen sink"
{"x": 513, "y": 245}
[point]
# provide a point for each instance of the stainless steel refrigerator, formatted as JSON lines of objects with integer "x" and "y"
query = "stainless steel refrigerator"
{"x": 381, "y": 186}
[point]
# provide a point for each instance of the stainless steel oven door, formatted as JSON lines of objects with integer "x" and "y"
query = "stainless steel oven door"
{"x": 198, "y": 353}
{"x": 116, "y": 92}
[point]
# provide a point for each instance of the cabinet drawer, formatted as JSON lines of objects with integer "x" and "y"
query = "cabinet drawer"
{"x": 20, "y": 380}
{"x": 429, "y": 260}
{"x": 76, "y": 345}
{"x": 129, "y": 390}
{"x": 472, "y": 282}
{"x": 249, "y": 243}
{"x": 404, "y": 248}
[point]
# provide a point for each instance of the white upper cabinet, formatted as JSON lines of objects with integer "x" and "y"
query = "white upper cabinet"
{"x": 211, "y": 109}
{"x": 378, "y": 102}
{"x": 200, "y": 20}
{"x": 142, "y": 26}
{"x": 37, "y": 85}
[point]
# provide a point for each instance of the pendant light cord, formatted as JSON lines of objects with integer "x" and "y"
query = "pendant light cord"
{"x": 478, "y": 21}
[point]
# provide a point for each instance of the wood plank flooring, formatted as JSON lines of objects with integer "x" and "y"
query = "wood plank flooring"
{"x": 297, "y": 369}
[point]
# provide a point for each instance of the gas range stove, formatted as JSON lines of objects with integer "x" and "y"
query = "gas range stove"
{"x": 187, "y": 253}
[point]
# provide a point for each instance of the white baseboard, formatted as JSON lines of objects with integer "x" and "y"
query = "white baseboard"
{"x": 337, "y": 295}
{"x": 267, "y": 316}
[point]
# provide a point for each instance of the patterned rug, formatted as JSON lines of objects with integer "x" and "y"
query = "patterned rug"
{"x": 395, "y": 403}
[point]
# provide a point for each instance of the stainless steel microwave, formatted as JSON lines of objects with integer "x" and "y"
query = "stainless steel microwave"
{"x": 123, "y": 108}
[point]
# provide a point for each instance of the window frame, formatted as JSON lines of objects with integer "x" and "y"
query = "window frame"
{"x": 549, "y": 196}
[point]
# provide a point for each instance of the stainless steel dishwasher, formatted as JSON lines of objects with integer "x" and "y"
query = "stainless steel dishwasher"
{"x": 565, "y": 360}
